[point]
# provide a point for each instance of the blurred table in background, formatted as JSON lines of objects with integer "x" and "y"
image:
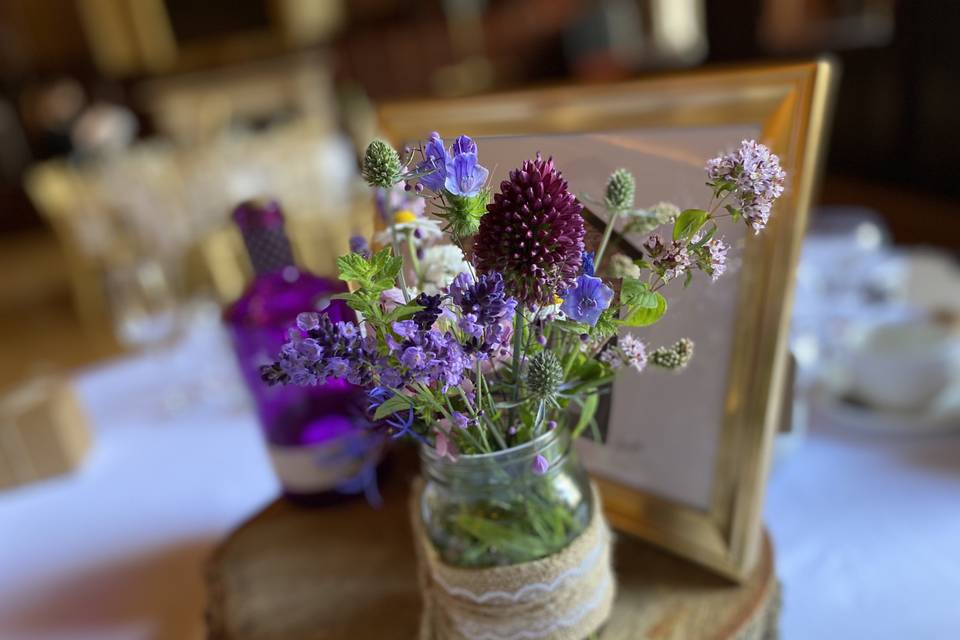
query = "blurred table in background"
{"x": 865, "y": 526}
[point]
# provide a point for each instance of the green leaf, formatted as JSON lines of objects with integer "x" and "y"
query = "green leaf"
{"x": 505, "y": 536}
{"x": 635, "y": 293}
{"x": 401, "y": 312}
{"x": 588, "y": 408}
{"x": 689, "y": 222}
{"x": 606, "y": 325}
{"x": 733, "y": 211}
{"x": 385, "y": 264}
{"x": 642, "y": 316}
{"x": 394, "y": 404}
{"x": 707, "y": 236}
{"x": 353, "y": 267}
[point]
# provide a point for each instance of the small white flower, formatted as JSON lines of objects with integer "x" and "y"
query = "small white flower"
{"x": 439, "y": 265}
{"x": 423, "y": 229}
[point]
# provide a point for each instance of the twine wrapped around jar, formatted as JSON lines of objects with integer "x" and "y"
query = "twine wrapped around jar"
{"x": 565, "y": 596}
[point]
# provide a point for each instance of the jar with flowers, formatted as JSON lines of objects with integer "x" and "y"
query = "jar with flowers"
{"x": 486, "y": 331}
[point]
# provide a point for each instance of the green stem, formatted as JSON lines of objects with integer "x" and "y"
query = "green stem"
{"x": 465, "y": 432}
{"x": 517, "y": 351}
{"x": 412, "y": 248}
{"x": 607, "y": 232}
{"x": 401, "y": 279}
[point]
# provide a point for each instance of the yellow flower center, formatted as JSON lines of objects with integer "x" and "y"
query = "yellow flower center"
{"x": 401, "y": 217}
{"x": 557, "y": 299}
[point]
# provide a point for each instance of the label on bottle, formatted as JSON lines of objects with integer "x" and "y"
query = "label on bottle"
{"x": 323, "y": 466}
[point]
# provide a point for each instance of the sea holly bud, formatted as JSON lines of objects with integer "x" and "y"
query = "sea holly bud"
{"x": 544, "y": 375}
{"x": 381, "y": 165}
{"x": 621, "y": 188}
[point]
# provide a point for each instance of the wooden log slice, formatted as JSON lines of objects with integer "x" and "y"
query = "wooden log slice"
{"x": 348, "y": 572}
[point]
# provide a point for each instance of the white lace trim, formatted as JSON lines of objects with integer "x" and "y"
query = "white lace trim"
{"x": 545, "y": 587}
{"x": 531, "y": 633}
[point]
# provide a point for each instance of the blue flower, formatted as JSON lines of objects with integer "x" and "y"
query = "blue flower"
{"x": 587, "y": 268}
{"x": 338, "y": 367}
{"x": 586, "y": 300}
{"x": 460, "y": 421}
{"x": 405, "y": 328}
{"x": 464, "y": 144}
{"x": 435, "y": 160}
{"x": 414, "y": 358}
{"x": 456, "y": 170}
{"x": 540, "y": 464}
{"x": 486, "y": 311}
{"x": 359, "y": 245}
{"x": 390, "y": 377}
{"x": 464, "y": 176}
{"x": 308, "y": 321}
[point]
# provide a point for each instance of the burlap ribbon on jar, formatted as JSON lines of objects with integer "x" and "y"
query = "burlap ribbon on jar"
{"x": 565, "y": 596}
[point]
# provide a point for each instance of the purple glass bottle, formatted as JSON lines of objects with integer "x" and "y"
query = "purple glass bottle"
{"x": 316, "y": 436}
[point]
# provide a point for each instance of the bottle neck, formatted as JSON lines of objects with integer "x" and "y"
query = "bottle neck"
{"x": 269, "y": 250}
{"x": 262, "y": 225}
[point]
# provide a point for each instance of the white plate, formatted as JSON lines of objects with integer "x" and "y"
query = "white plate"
{"x": 843, "y": 412}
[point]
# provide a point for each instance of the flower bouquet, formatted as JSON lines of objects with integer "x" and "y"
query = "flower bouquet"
{"x": 487, "y": 332}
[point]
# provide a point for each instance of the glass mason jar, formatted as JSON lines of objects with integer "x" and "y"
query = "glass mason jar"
{"x": 499, "y": 509}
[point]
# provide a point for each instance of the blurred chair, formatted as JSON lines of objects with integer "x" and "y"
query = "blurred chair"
{"x": 171, "y": 204}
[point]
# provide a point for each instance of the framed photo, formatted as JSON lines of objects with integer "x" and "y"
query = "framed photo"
{"x": 684, "y": 458}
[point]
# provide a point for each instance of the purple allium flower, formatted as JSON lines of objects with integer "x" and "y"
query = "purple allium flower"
{"x": 586, "y": 300}
{"x": 754, "y": 174}
{"x": 360, "y": 246}
{"x": 540, "y": 464}
{"x": 435, "y": 160}
{"x": 532, "y": 234}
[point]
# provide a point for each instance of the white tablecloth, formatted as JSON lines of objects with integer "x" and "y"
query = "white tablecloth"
{"x": 866, "y": 528}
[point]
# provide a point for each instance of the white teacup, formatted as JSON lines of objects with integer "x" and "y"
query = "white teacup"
{"x": 904, "y": 366}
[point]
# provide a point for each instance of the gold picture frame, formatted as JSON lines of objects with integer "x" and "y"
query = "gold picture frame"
{"x": 789, "y": 104}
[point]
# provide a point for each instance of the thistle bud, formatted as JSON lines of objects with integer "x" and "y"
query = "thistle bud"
{"x": 676, "y": 356}
{"x": 544, "y": 375}
{"x": 621, "y": 189}
{"x": 381, "y": 165}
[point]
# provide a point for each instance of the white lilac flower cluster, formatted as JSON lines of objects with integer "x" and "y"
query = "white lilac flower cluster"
{"x": 627, "y": 352}
{"x": 753, "y": 176}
